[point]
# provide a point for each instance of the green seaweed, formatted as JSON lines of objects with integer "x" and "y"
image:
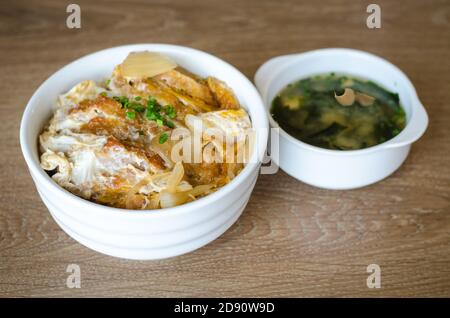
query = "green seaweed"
{"x": 308, "y": 110}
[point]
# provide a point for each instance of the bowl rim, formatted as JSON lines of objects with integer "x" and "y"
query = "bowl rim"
{"x": 393, "y": 142}
{"x": 45, "y": 182}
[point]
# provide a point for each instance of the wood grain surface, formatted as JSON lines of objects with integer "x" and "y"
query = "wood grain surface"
{"x": 292, "y": 240}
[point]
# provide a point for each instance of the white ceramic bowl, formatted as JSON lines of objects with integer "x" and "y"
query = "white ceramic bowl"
{"x": 333, "y": 169}
{"x": 142, "y": 234}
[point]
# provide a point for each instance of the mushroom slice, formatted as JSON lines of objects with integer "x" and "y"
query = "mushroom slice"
{"x": 346, "y": 99}
{"x": 364, "y": 99}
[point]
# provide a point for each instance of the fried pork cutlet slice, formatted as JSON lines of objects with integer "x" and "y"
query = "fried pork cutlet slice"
{"x": 222, "y": 93}
{"x": 182, "y": 82}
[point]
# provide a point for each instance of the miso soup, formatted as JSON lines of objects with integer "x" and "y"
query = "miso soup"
{"x": 338, "y": 112}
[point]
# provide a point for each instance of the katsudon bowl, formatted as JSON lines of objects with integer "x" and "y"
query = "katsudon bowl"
{"x": 143, "y": 234}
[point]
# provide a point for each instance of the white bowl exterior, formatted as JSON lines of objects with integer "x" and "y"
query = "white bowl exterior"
{"x": 338, "y": 172}
{"x": 147, "y": 238}
{"x": 142, "y": 234}
{"x": 332, "y": 169}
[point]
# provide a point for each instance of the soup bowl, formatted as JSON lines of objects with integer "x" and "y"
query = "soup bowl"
{"x": 148, "y": 234}
{"x": 338, "y": 169}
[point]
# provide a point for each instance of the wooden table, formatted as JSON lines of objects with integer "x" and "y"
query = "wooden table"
{"x": 292, "y": 239}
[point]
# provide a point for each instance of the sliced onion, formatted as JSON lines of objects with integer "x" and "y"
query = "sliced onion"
{"x": 201, "y": 189}
{"x": 168, "y": 199}
{"x": 176, "y": 177}
{"x": 146, "y": 64}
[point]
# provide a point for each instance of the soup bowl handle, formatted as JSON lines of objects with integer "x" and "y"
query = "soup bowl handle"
{"x": 268, "y": 71}
{"x": 414, "y": 129}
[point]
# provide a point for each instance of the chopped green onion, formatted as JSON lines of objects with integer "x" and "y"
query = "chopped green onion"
{"x": 170, "y": 124}
{"x": 151, "y": 102}
{"x": 152, "y": 111}
{"x": 163, "y": 138}
{"x": 170, "y": 111}
{"x": 136, "y": 106}
{"x": 131, "y": 114}
{"x": 122, "y": 100}
{"x": 150, "y": 115}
